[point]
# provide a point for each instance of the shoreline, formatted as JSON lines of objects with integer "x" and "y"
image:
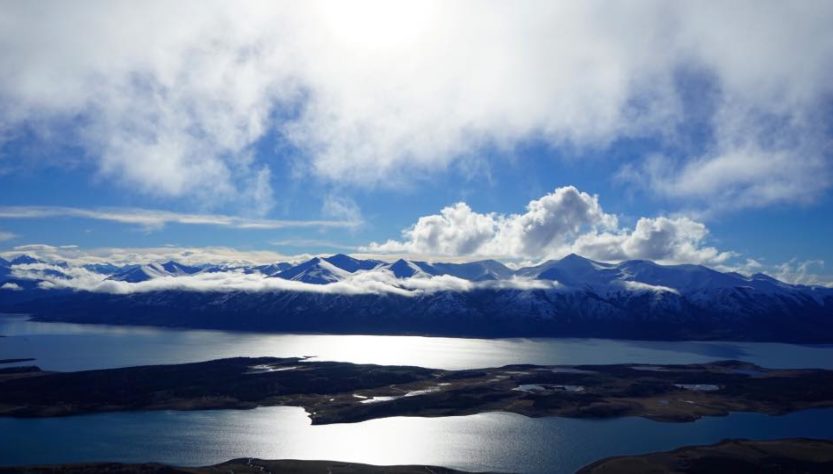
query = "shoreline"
{"x": 238, "y": 466}
{"x": 339, "y": 392}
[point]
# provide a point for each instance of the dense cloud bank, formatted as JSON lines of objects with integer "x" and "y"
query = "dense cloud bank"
{"x": 373, "y": 92}
{"x": 366, "y": 282}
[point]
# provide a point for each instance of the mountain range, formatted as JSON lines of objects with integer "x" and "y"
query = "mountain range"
{"x": 573, "y": 296}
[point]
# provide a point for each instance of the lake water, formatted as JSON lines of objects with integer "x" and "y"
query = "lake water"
{"x": 60, "y": 346}
{"x": 491, "y": 441}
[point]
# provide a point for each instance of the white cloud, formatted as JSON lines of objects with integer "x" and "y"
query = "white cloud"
{"x": 169, "y": 99}
{"x": 661, "y": 239}
{"x": 368, "y": 282}
{"x": 4, "y": 236}
{"x": 548, "y": 224}
{"x": 803, "y": 272}
{"x": 565, "y": 221}
{"x": 141, "y": 255}
{"x": 341, "y": 207}
{"x": 743, "y": 176}
{"x": 154, "y": 219}
{"x": 307, "y": 243}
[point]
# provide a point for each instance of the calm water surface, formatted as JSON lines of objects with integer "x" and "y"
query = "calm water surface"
{"x": 491, "y": 441}
{"x": 60, "y": 346}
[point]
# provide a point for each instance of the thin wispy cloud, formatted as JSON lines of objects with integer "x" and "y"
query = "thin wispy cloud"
{"x": 309, "y": 243}
{"x": 156, "y": 219}
{"x": 76, "y": 256}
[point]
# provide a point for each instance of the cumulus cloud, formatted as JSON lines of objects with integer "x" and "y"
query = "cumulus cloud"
{"x": 550, "y": 222}
{"x": 661, "y": 239}
{"x": 564, "y": 221}
{"x": 155, "y": 219}
{"x": 172, "y": 99}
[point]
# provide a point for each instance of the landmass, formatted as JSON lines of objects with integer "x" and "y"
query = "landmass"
{"x": 14, "y": 361}
{"x": 338, "y": 392}
{"x": 570, "y": 297}
{"x": 236, "y": 466}
{"x": 786, "y": 456}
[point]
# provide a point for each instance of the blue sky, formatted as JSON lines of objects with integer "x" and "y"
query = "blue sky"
{"x": 682, "y": 134}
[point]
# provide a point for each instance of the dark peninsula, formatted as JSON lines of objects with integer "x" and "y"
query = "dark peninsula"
{"x": 335, "y": 392}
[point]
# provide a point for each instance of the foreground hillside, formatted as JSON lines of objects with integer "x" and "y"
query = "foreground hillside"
{"x": 805, "y": 456}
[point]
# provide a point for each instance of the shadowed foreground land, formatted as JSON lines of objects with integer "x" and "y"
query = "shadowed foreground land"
{"x": 787, "y": 456}
{"x": 236, "y": 466}
{"x": 336, "y": 392}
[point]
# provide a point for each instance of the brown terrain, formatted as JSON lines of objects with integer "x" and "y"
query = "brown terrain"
{"x": 335, "y": 392}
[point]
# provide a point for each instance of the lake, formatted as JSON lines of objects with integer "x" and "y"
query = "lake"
{"x": 62, "y": 346}
{"x": 490, "y": 441}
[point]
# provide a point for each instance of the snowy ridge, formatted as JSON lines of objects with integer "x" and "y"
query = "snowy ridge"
{"x": 571, "y": 296}
{"x": 571, "y": 273}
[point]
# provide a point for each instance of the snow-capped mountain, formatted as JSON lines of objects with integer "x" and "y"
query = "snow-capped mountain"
{"x": 272, "y": 269}
{"x": 103, "y": 268}
{"x": 23, "y": 260}
{"x": 5, "y": 268}
{"x": 320, "y": 271}
{"x": 317, "y": 271}
{"x": 351, "y": 264}
{"x": 472, "y": 271}
{"x": 571, "y": 296}
{"x": 406, "y": 269}
{"x": 139, "y": 273}
{"x": 177, "y": 269}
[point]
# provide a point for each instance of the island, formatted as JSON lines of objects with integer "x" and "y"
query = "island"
{"x": 338, "y": 392}
{"x": 806, "y": 456}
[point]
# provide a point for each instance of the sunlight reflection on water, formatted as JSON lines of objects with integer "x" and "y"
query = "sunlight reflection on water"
{"x": 489, "y": 441}
{"x": 60, "y": 346}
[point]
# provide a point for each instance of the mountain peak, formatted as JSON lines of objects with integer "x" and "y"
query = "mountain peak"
{"x": 350, "y": 264}
{"x": 23, "y": 260}
{"x": 403, "y": 268}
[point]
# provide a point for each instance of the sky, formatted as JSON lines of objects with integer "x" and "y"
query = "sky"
{"x": 680, "y": 132}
